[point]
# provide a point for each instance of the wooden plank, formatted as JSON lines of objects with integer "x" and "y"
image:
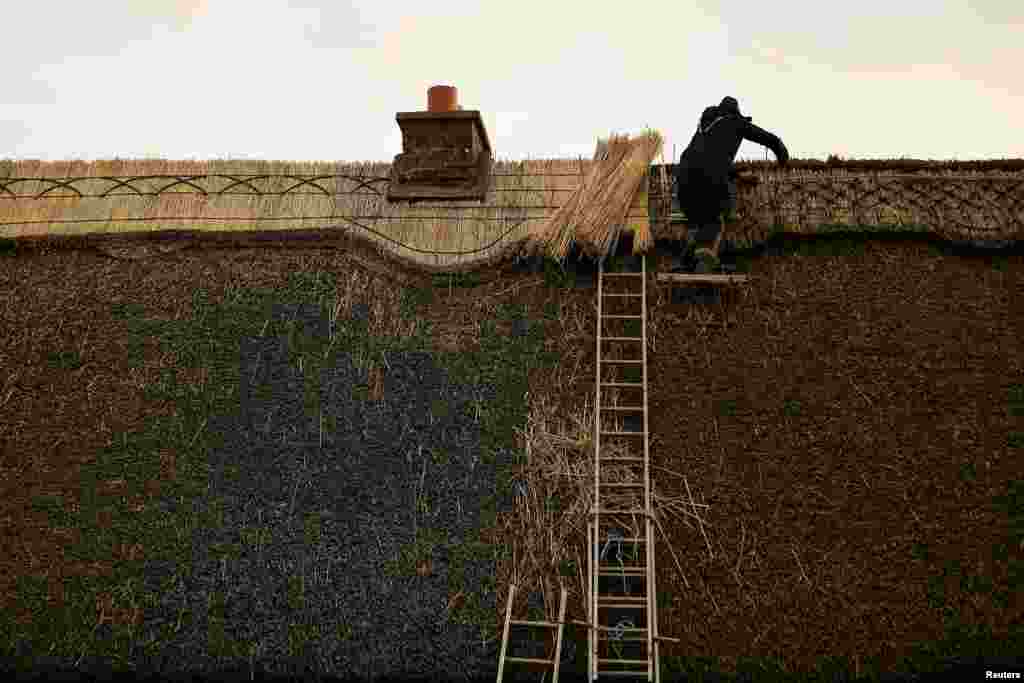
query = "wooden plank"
{"x": 698, "y": 279}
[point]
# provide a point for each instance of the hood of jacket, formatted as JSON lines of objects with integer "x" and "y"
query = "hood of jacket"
{"x": 729, "y": 105}
{"x": 728, "y": 108}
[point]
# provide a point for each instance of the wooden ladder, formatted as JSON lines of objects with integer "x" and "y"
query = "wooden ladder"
{"x": 629, "y": 646}
{"x": 559, "y": 625}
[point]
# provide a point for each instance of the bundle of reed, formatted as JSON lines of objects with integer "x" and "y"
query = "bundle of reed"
{"x": 555, "y": 235}
{"x": 597, "y": 211}
{"x": 611, "y": 210}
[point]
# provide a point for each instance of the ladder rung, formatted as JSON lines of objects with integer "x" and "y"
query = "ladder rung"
{"x": 608, "y": 495}
{"x": 606, "y": 274}
{"x": 624, "y": 661}
{"x": 622, "y": 486}
{"x": 640, "y": 433}
{"x": 622, "y": 571}
{"x": 622, "y": 338}
{"x": 630, "y": 540}
{"x": 641, "y": 639}
{"x": 623, "y": 498}
{"x": 623, "y": 674}
{"x": 621, "y": 601}
{"x": 632, "y": 629}
{"x": 620, "y": 360}
{"x": 624, "y": 317}
{"x": 606, "y": 629}
{"x": 622, "y": 408}
{"x": 616, "y": 294}
{"x": 525, "y": 660}
{"x": 622, "y": 384}
{"x": 627, "y": 458}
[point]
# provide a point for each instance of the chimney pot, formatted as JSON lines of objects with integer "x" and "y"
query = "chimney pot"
{"x": 442, "y": 98}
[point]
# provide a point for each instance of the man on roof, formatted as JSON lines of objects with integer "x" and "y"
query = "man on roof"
{"x": 706, "y": 180}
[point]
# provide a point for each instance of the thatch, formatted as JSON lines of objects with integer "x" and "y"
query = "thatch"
{"x": 64, "y": 198}
{"x": 988, "y": 207}
{"x": 597, "y": 212}
{"x": 43, "y": 199}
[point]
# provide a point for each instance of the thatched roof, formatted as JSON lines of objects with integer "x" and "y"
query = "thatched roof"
{"x": 121, "y": 196}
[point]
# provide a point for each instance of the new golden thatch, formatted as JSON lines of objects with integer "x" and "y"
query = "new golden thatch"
{"x": 40, "y": 198}
{"x": 597, "y": 211}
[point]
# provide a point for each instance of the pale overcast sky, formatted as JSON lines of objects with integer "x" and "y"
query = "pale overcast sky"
{"x": 322, "y": 80}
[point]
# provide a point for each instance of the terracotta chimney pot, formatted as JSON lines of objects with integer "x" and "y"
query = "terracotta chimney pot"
{"x": 442, "y": 98}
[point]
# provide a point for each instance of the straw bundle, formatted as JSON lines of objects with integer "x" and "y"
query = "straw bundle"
{"x": 597, "y": 211}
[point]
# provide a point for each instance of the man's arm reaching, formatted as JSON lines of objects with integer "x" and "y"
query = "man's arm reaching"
{"x": 759, "y": 135}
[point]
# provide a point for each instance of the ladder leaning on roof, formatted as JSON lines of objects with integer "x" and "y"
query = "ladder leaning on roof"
{"x": 609, "y": 506}
{"x": 615, "y": 501}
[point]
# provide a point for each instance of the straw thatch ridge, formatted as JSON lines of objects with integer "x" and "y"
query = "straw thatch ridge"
{"x": 242, "y": 202}
{"x": 955, "y": 207}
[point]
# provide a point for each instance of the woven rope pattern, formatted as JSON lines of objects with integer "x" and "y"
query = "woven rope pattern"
{"x": 964, "y": 206}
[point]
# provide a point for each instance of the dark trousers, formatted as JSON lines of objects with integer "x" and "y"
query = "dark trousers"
{"x": 705, "y": 205}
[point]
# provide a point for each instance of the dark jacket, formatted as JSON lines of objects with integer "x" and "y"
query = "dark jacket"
{"x": 707, "y": 160}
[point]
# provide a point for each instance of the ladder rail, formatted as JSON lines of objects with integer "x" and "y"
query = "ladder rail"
{"x": 592, "y": 532}
{"x": 652, "y": 595}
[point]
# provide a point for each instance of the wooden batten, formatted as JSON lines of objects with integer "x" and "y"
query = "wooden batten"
{"x": 703, "y": 278}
